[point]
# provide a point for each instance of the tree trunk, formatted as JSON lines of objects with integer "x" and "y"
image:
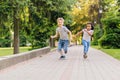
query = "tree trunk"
{"x": 16, "y": 32}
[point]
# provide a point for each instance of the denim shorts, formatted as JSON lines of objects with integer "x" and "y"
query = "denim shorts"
{"x": 63, "y": 44}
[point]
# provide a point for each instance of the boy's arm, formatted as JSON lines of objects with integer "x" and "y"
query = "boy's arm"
{"x": 70, "y": 35}
{"x": 56, "y": 35}
{"x": 69, "y": 32}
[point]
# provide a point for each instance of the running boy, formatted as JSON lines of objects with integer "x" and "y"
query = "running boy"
{"x": 62, "y": 32}
{"x": 87, "y": 33}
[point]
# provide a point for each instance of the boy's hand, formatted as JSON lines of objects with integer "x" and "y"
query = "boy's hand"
{"x": 75, "y": 36}
{"x": 70, "y": 38}
{"x": 51, "y": 36}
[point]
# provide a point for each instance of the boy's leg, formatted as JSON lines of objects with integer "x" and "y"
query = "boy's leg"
{"x": 66, "y": 42}
{"x": 60, "y": 47}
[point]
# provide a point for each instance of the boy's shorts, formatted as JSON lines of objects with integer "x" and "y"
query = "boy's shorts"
{"x": 63, "y": 44}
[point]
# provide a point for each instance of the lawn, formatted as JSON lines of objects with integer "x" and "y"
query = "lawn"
{"x": 113, "y": 52}
{"x": 9, "y": 51}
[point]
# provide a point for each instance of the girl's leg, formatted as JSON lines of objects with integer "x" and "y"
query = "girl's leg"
{"x": 85, "y": 46}
{"x": 88, "y": 45}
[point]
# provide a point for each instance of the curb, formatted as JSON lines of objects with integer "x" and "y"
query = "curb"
{"x": 8, "y": 61}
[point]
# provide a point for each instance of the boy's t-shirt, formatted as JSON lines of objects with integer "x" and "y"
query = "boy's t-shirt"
{"x": 86, "y": 36}
{"x": 63, "y": 32}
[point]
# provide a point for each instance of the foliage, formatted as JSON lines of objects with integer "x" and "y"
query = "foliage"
{"x": 42, "y": 20}
{"x": 111, "y": 24}
{"x": 36, "y": 20}
{"x": 82, "y": 12}
{"x": 97, "y": 35}
{"x": 5, "y": 42}
{"x": 111, "y": 35}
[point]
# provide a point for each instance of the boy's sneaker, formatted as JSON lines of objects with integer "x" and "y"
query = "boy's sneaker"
{"x": 62, "y": 57}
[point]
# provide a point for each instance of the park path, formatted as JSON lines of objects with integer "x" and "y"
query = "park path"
{"x": 98, "y": 66}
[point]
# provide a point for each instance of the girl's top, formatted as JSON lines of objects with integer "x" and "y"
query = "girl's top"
{"x": 86, "y": 36}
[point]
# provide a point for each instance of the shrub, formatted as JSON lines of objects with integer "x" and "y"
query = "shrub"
{"x": 97, "y": 35}
{"x": 111, "y": 37}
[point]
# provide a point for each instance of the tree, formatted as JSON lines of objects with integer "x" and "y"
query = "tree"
{"x": 84, "y": 11}
{"x": 111, "y": 21}
{"x": 33, "y": 20}
{"x": 42, "y": 20}
{"x": 5, "y": 23}
{"x": 11, "y": 11}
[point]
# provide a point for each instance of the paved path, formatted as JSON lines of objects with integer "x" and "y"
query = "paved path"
{"x": 98, "y": 66}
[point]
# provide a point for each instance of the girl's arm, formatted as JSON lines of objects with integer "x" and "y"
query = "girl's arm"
{"x": 90, "y": 34}
{"x": 79, "y": 33}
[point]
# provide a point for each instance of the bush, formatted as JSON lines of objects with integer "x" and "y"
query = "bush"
{"x": 23, "y": 41}
{"x": 111, "y": 37}
{"x": 5, "y": 42}
{"x": 110, "y": 41}
{"x": 97, "y": 35}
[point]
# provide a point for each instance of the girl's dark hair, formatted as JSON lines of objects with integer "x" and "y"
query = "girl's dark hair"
{"x": 92, "y": 27}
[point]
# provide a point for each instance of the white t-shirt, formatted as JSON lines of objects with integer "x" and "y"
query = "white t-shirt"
{"x": 63, "y": 32}
{"x": 86, "y": 36}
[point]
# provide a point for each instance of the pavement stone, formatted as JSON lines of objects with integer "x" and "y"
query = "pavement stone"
{"x": 98, "y": 66}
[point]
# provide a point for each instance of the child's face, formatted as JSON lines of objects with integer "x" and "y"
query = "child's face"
{"x": 60, "y": 23}
{"x": 88, "y": 27}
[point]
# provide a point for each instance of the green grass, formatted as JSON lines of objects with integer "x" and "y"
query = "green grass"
{"x": 112, "y": 52}
{"x": 9, "y": 51}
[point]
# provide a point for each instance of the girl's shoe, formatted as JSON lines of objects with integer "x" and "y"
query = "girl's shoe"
{"x": 85, "y": 56}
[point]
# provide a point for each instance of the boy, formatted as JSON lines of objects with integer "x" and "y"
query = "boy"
{"x": 62, "y": 32}
{"x": 87, "y": 33}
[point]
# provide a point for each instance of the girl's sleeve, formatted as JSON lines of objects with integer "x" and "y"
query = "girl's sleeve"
{"x": 82, "y": 30}
{"x": 92, "y": 32}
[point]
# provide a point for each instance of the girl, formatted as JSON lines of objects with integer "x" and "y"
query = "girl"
{"x": 87, "y": 33}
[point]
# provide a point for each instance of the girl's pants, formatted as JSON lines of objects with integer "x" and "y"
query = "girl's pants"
{"x": 86, "y": 45}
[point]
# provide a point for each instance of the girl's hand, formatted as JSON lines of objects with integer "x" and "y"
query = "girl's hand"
{"x": 85, "y": 30}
